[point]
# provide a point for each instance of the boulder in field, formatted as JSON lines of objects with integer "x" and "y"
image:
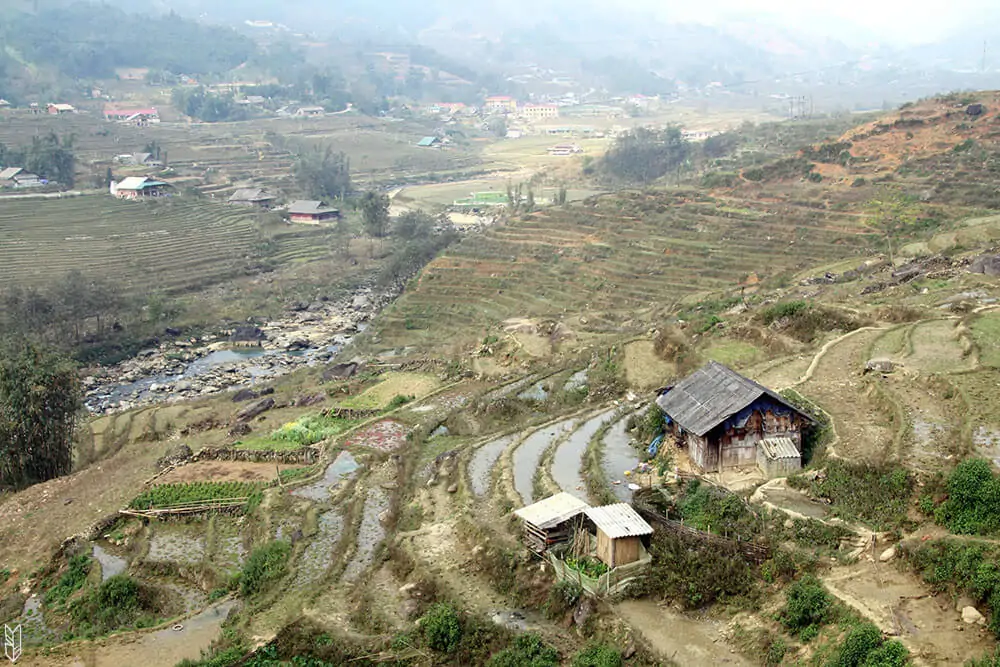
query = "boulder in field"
{"x": 254, "y": 409}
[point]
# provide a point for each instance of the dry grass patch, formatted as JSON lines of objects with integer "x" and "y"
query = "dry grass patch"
{"x": 643, "y": 368}
{"x": 415, "y": 385}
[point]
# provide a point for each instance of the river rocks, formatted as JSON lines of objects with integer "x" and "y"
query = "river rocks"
{"x": 254, "y": 409}
{"x": 887, "y": 555}
{"x": 244, "y": 395}
{"x": 340, "y": 372}
{"x": 297, "y": 344}
{"x": 971, "y": 615}
{"x": 986, "y": 264}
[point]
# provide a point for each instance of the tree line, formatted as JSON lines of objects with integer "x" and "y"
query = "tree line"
{"x": 48, "y": 156}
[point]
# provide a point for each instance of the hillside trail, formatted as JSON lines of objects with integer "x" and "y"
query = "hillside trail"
{"x": 683, "y": 639}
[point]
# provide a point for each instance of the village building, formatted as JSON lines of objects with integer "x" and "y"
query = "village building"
{"x": 539, "y": 111}
{"x": 136, "y": 115}
{"x": 138, "y": 187}
{"x": 429, "y": 142}
{"x": 4, "y": 103}
{"x": 550, "y": 521}
{"x": 310, "y": 112}
{"x": 311, "y": 212}
{"x": 500, "y": 104}
{"x": 254, "y": 197}
{"x": 138, "y": 160}
{"x": 60, "y": 109}
{"x": 563, "y": 150}
{"x": 620, "y": 533}
{"x": 723, "y": 420}
{"x": 17, "y": 177}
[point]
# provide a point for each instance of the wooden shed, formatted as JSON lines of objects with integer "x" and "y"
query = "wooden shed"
{"x": 620, "y": 530}
{"x": 550, "y": 521}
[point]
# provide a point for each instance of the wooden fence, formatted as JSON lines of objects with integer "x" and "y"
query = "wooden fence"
{"x": 194, "y": 507}
{"x": 611, "y": 582}
{"x": 752, "y": 551}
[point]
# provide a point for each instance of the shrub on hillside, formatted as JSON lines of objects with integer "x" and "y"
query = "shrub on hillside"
{"x": 878, "y": 495}
{"x": 442, "y": 628}
{"x": 808, "y": 607}
{"x": 973, "y": 503}
{"x": 265, "y": 565}
{"x": 696, "y": 573}
{"x": 864, "y": 647}
{"x": 598, "y": 655}
{"x": 563, "y": 596}
{"x": 528, "y": 650}
{"x": 803, "y": 320}
{"x": 70, "y": 582}
{"x": 120, "y": 602}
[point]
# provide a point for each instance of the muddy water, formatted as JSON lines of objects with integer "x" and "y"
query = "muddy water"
{"x": 619, "y": 456}
{"x": 481, "y": 465}
{"x": 797, "y": 502}
{"x": 568, "y": 456}
{"x": 341, "y": 470}
{"x": 370, "y": 533}
{"x": 162, "y": 648}
{"x": 229, "y": 553}
{"x": 111, "y": 565}
{"x": 529, "y": 453}
{"x": 319, "y": 555}
{"x": 34, "y": 630}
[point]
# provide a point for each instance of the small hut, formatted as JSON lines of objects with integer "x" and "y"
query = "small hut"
{"x": 549, "y": 522}
{"x": 778, "y": 457}
{"x": 620, "y": 530}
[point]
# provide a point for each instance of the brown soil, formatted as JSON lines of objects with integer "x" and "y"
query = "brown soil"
{"x": 224, "y": 471}
{"x": 687, "y": 640}
{"x": 643, "y": 368}
{"x": 900, "y": 604}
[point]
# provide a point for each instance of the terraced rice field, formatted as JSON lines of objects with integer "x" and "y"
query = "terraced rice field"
{"x": 481, "y": 465}
{"x": 529, "y": 453}
{"x": 625, "y": 255}
{"x": 169, "y": 246}
{"x": 568, "y": 457}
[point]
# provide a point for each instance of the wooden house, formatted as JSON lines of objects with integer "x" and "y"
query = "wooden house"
{"x": 254, "y": 197}
{"x": 311, "y": 211}
{"x": 550, "y": 521}
{"x": 138, "y": 187}
{"x": 620, "y": 533}
{"x": 721, "y": 417}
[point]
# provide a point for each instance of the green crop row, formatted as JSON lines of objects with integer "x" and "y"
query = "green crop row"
{"x": 170, "y": 495}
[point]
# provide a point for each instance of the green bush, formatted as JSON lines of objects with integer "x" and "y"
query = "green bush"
{"x": 973, "y": 504}
{"x": 311, "y": 429}
{"x": 120, "y": 602}
{"x": 863, "y": 647}
{"x": 399, "y": 401}
{"x": 808, "y": 607}
{"x": 987, "y": 660}
{"x": 441, "y": 628}
{"x": 265, "y": 565}
{"x": 878, "y": 495}
{"x": 563, "y": 596}
{"x": 598, "y": 655}
{"x": 528, "y": 650}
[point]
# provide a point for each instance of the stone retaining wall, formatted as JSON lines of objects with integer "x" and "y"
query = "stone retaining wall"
{"x": 351, "y": 413}
{"x": 303, "y": 455}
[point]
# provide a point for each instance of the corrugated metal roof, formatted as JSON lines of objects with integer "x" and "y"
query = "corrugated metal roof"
{"x": 710, "y": 395}
{"x": 250, "y": 194}
{"x": 779, "y": 448}
{"x": 619, "y": 521}
{"x": 307, "y": 207}
{"x": 552, "y": 511}
{"x": 138, "y": 183}
{"x": 427, "y": 141}
{"x": 9, "y": 173}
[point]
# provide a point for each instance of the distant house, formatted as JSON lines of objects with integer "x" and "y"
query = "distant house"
{"x": 539, "y": 111}
{"x": 17, "y": 177}
{"x": 59, "y": 109}
{"x": 725, "y": 419}
{"x": 4, "y": 103}
{"x": 429, "y": 142}
{"x": 565, "y": 149}
{"x": 138, "y": 160}
{"x": 311, "y": 212}
{"x": 137, "y": 115}
{"x": 138, "y": 187}
{"x": 310, "y": 112}
{"x": 254, "y": 197}
{"x": 500, "y": 104}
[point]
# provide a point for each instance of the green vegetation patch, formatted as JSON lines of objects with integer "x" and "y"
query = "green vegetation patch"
{"x": 877, "y": 495}
{"x": 808, "y": 607}
{"x": 986, "y": 333}
{"x": 311, "y": 429}
{"x": 120, "y": 602}
{"x": 527, "y": 649}
{"x": 804, "y": 320}
{"x": 973, "y": 503}
{"x": 265, "y": 565}
{"x": 70, "y": 582}
{"x": 165, "y": 496}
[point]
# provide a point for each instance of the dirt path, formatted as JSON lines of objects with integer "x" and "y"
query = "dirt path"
{"x": 862, "y": 427}
{"x": 686, "y": 640}
{"x": 900, "y": 605}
